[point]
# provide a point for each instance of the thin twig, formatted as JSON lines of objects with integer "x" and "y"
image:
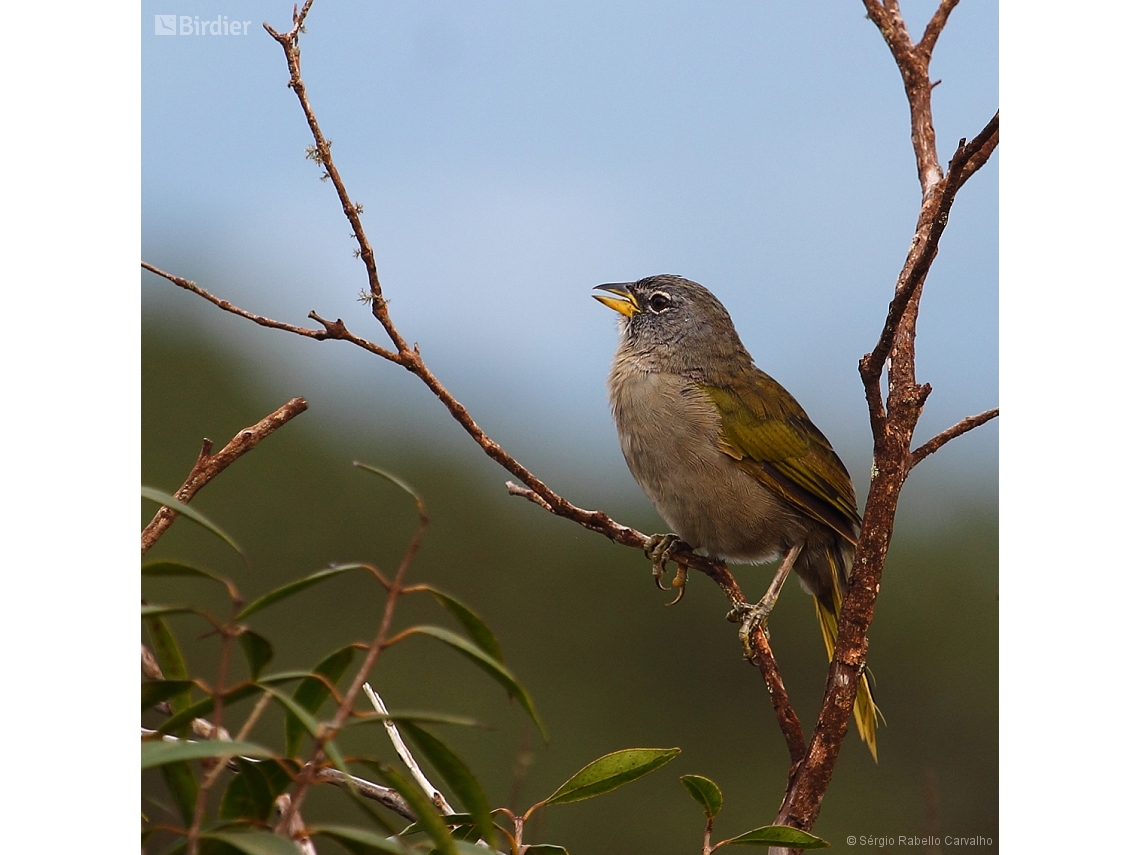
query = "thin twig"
{"x": 208, "y": 466}
{"x": 935, "y": 443}
{"x": 227, "y": 306}
{"x": 434, "y": 794}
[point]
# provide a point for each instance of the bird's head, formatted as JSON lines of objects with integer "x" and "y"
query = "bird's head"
{"x": 673, "y": 321}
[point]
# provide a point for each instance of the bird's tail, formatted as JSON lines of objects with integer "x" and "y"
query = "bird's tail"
{"x": 866, "y": 713}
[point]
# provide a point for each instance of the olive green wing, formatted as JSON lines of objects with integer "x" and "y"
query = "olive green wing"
{"x": 768, "y": 434}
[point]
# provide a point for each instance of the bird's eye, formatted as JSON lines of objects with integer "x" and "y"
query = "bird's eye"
{"x": 659, "y": 302}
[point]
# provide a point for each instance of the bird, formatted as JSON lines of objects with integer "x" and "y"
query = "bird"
{"x": 727, "y": 456}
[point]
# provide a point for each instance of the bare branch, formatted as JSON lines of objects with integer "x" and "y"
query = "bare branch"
{"x": 892, "y": 424}
{"x": 934, "y": 28}
{"x": 384, "y": 795}
{"x": 227, "y": 306}
{"x": 210, "y": 466}
{"x": 434, "y": 794}
{"x": 933, "y": 218}
{"x": 967, "y": 424}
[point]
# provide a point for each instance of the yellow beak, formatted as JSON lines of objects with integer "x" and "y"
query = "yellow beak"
{"x": 623, "y": 302}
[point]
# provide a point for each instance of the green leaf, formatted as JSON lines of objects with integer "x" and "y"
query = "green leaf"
{"x": 610, "y": 772}
{"x": 403, "y": 485}
{"x": 279, "y": 774}
{"x": 166, "y": 650}
{"x": 206, "y": 705}
{"x": 190, "y": 513}
{"x": 456, "y": 775}
{"x": 150, "y": 610}
{"x": 416, "y": 717}
{"x": 312, "y": 693}
{"x": 292, "y": 588}
{"x": 479, "y": 631}
{"x": 360, "y": 841}
{"x": 248, "y": 795}
{"x": 156, "y": 691}
{"x": 254, "y": 842}
{"x": 161, "y": 752}
{"x": 425, "y": 811}
{"x": 164, "y": 569}
{"x": 311, "y": 725}
{"x": 258, "y": 651}
{"x": 183, "y": 785}
{"x": 705, "y": 793}
{"x": 493, "y": 667}
{"x": 778, "y": 835}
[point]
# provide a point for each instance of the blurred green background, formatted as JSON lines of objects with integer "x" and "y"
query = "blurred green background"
{"x": 578, "y": 618}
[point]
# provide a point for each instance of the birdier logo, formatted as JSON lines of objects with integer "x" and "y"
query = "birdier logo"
{"x": 187, "y": 25}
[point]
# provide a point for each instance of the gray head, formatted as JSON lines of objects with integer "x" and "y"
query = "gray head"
{"x": 674, "y": 323}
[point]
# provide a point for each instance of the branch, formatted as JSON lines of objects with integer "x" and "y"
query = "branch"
{"x": 932, "y": 445}
{"x": 892, "y": 424}
{"x": 230, "y": 307}
{"x": 210, "y": 466}
{"x": 935, "y": 214}
{"x": 434, "y": 794}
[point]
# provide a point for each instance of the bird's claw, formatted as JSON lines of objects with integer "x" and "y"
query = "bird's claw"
{"x": 659, "y": 551}
{"x": 751, "y": 618}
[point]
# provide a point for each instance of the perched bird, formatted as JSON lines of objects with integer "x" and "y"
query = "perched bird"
{"x": 727, "y": 456}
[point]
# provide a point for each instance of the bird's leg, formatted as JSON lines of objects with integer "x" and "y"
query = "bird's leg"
{"x": 659, "y": 550}
{"x": 753, "y": 617}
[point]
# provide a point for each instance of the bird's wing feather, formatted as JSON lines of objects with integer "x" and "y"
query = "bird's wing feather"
{"x": 768, "y": 435}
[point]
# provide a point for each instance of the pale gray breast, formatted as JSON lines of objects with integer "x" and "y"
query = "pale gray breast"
{"x": 668, "y": 429}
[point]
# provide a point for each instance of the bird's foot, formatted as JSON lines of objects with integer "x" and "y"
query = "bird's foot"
{"x": 660, "y": 551}
{"x": 751, "y": 618}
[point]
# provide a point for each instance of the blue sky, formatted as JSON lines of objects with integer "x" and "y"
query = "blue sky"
{"x": 512, "y": 155}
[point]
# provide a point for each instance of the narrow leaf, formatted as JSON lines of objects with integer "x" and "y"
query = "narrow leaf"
{"x": 358, "y": 840}
{"x": 400, "y": 716}
{"x": 456, "y": 775}
{"x": 311, "y": 725}
{"x": 473, "y": 624}
{"x": 493, "y": 667}
{"x": 161, "y": 752}
{"x": 258, "y": 651}
{"x": 156, "y": 691}
{"x": 778, "y": 835}
{"x": 425, "y": 811}
{"x": 292, "y": 588}
{"x": 183, "y": 785}
{"x": 248, "y": 795}
{"x": 705, "y": 792}
{"x": 610, "y": 772}
{"x": 169, "y": 658}
{"x": 162, "y": 569}
{"x": 254, "y": 842}
{"x": 388, "y": 476}
{"x": 312, "y": 693}
{"x": 190, "y": 513}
